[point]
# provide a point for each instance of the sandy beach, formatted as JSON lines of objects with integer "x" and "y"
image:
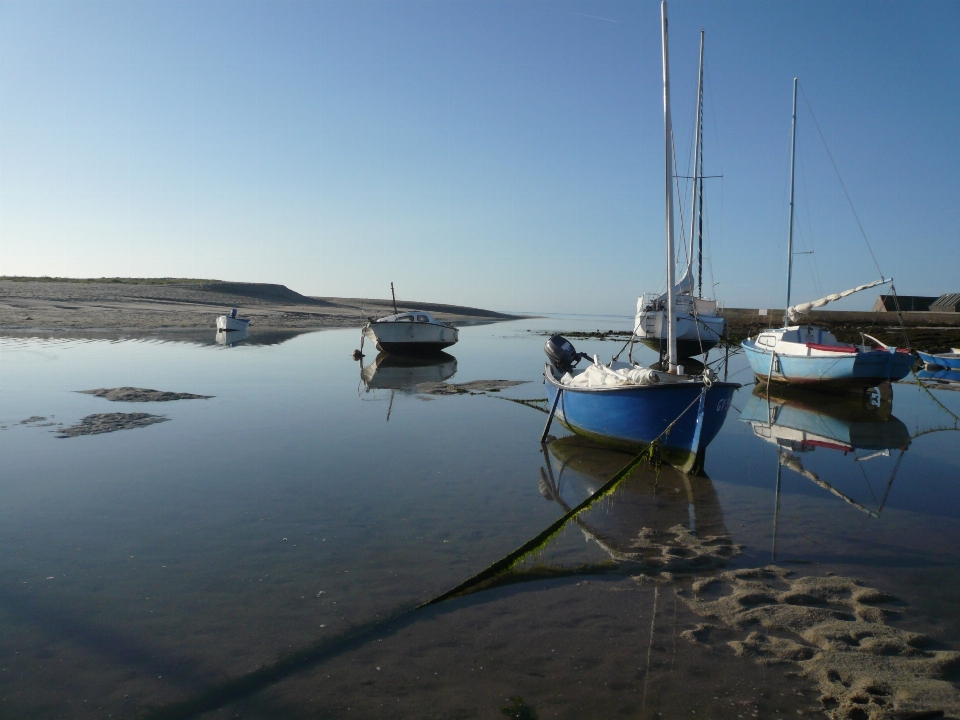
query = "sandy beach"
{"x": 177, "y": 306}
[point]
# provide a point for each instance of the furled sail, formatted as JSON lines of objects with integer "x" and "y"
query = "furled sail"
{"x": 683, "y": 287}
{"x": 796, "y": 311}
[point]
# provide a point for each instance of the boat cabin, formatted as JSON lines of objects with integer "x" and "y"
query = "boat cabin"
{"x": 801, "y": 340}
{"x": 420, "y": 316}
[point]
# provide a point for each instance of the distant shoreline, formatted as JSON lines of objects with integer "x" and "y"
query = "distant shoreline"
{"x": 182, "y": 306}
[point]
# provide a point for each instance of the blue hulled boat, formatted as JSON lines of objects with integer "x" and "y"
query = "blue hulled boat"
{"x": 632, "y": 417}
{"x": 947, "y": 361}
{"x": 629, "y": 406}
{"x": 811, "y": 356}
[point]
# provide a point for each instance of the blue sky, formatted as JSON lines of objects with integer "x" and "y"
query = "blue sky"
{"x": 500, "y": 154}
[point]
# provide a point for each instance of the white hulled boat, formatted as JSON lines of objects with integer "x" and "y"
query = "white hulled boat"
{"x": 698, "y": 326}
{"x": 232, "y": 322}
{"x": 415, "y": 332}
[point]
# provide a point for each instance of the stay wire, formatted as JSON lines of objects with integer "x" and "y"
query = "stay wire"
{"x": 837, "y": 171}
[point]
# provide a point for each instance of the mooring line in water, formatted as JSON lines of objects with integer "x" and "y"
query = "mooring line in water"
{"x": 927, "y": 390}
{"x": 506, "y": 562}
{"x": 327, "y": 649}
{"x": 532, "y": 403}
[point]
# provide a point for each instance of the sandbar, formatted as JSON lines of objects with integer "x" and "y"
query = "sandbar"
{"x": 173, "y": 306}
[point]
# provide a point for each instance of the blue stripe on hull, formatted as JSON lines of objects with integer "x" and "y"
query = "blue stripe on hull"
{"x": 863, "y": 369}
{"x": 635, "y": 417}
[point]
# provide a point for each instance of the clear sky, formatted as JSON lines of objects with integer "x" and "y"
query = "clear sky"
{"x": 501, "y": 154}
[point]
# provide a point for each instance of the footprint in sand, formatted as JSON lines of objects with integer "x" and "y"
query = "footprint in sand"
{"x": 835, "y": 631}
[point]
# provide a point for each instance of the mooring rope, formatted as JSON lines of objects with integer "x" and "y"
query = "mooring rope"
{"x": 651, "y": 452}
{"x": 297, "y": 661}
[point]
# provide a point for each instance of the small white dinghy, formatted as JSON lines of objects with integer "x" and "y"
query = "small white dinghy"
{"x": 232, "y": 322}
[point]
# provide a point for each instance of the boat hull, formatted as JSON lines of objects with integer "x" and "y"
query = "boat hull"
{"x": 946, "y": 361}
{"x": 411, "y": 338}
{"x": 695, "y": 334}
{"x": 846, "y": 371}
{"x": 225, "y": 322}
{"x": 631, "y": 418}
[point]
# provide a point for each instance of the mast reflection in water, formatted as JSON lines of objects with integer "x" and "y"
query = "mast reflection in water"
{"x": 798, "y": 422}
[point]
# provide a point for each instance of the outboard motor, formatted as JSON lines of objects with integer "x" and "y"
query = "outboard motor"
{"x": 563, "y": 355}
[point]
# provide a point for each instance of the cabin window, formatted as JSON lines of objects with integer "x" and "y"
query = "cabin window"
{"x": 767, "y": 340}
{"x": 407, "y": 318}
{"x": 423, "y": 318}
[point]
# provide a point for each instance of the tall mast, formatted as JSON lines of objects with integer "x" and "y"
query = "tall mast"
{"x": 668, "y": 157}
{"x": 697, "y": 211}
{"x": 793, "y": 151}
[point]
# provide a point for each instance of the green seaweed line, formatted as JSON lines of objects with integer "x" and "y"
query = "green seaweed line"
{"x": 538, "y": 541}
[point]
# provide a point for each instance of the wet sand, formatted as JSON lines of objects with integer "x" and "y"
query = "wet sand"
{"x": 184, "y": 306}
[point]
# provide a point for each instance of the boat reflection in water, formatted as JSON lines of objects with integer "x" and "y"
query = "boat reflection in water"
{"x": 798, "y": 422}
{"x": 405, "y": 372}
{"x": 661, "y": 518}
{"x": 940, "y": 377}
{"x": 802, "y": 422}
{"x": 231, "y": 337}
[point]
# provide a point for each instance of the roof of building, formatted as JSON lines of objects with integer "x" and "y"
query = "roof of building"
{"x": 948, "y": 300}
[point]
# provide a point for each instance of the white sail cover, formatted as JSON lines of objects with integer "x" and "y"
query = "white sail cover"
{"x": 599, "y": 375}
{"x": 796, "y": 311}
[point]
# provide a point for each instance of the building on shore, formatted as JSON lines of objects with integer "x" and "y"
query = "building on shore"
{"x": 949, "y": 302}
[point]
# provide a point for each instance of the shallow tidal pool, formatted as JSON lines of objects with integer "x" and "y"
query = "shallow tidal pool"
{"x": 259, "y": 553}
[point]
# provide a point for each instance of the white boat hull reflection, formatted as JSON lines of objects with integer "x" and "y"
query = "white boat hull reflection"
{"x": 399, "y": 372}
{"x": 231, "y": 337}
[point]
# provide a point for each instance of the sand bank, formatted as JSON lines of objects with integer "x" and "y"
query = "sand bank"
{"x": 132, "y": 394}
{"x": 473, "y": 387}
{"x": 101, "y": 423}
{"x": 175, "y": 306}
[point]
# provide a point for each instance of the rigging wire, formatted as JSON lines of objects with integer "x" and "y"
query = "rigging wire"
{"x": 808, "y": 240}
{"x": 719, "y": 160}
{"x": 837, "y": 171}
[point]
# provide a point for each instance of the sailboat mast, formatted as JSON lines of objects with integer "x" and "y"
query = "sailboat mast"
{"x": 793, "y": 152}
{"x": 668, "y": 157}
{"x": 698, "y": 178}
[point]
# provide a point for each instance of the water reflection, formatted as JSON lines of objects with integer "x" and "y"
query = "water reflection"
{"x": 230, "y": 338}
{"x": 944, "y": 378}
{"x": 398, "y": 372}
{"x": 803, "y": 422}
{"x": 658, "y": 516}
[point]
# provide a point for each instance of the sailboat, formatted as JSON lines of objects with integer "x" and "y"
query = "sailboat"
{"x": 629, "y": 406}
{"x": 809, "y": 355}
{"x": 698, "y": 326}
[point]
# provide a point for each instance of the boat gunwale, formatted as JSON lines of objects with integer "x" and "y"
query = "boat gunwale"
{"x": 548, "y": 375}
{"x": 754, "y": 346}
